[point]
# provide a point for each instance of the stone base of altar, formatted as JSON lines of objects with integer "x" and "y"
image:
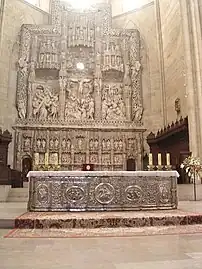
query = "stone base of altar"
{"x": 93, "y": 220}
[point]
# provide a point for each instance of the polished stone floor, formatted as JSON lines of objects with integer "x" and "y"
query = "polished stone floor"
{"x": 141, "y": 252}
{"x": 173, "y": 251}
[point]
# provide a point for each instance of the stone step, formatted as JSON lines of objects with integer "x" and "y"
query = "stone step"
{"x": 18, "y": 195}
{"x": 18, "y": 190}
{"x": 113, "y": 219}
{"x": 25, "y": 184}
{"x": 9, "y": 212}
{"x": 17, "y": 199}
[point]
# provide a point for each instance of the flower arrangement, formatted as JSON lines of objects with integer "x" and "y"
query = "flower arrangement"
{"x": 192, "y": 165}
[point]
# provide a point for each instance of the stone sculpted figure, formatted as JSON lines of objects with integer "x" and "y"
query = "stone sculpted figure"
{"x": 54, "y": 108}
{"x": 91, "y": 108}
{"x": 138, "y": 111}
{"x": 21, "y": 109}
{"x": 135, "y": 69}
{"x": 43, "y": 143}
{"x": 35, "y": 107}
{"x": 23, "y": 64}
{"x": 56, "y": 143}
{"x": 27, "y": 143}
{"x": 43, "y": 112}
{"x": 63, "y": 143}
{"x": 51, "y": 144}
{"x": 120, "y": 144}
{"x": 38, "y": 143}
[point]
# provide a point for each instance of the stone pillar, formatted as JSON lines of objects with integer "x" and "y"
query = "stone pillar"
{"x": 191, "y": 85}
{"x": 2, "y": 4}
{"x": 197, "y": 45}
{"x": 161, "y": 60}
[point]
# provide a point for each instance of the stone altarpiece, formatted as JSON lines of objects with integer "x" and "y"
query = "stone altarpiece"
{"x": 79, "y": 91}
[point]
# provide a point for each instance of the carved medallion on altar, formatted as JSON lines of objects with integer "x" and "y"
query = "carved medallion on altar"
{"x": 79, "y": 96}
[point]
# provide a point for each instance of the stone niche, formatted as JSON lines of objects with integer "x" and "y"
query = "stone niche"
{"x": 79, "y": 95}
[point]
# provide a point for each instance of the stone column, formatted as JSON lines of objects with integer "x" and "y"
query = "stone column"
{"x": 161, "y": 61}
{"x": 190, "y": 83}
{"x": 197, "y": 46}
{"x": 2, "y": 4}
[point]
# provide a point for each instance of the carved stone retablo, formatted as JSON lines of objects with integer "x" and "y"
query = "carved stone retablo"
{"x": 79, "y": 93}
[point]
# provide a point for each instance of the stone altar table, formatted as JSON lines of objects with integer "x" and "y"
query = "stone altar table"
{"x": 102, "y": 190}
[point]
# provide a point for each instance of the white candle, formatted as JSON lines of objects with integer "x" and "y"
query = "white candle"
{"x": 46, "y": 158}
{"x": 36, "y": 158}
{"x": 159, "y": 159}
{"x": 168, "y": 158}
{"x": 150, "y": 159}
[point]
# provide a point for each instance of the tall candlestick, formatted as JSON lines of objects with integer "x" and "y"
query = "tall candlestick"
{"x": 150, "y": 159}
{"x": 168, "y": 159}
{"x": 46, "y": 159}
{"x": 159, "y": 159}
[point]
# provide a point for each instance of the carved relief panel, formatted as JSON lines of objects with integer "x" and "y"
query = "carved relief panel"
{"x": 85, "y": 62}
{"x": 71, "y": 149}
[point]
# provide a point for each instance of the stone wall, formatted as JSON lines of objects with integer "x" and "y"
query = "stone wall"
{"x": 200, "y": 10}
{"x": 192, "y": 41}
{"x": 118, "y": 6}
{"x": 16, "y": 13}
{"x": 173, "y": 57}
{"x": 144, "y": 20}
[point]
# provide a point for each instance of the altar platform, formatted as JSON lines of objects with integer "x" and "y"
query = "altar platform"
{"x": 93, "y": 220}
{"x": 186, "y": 219}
